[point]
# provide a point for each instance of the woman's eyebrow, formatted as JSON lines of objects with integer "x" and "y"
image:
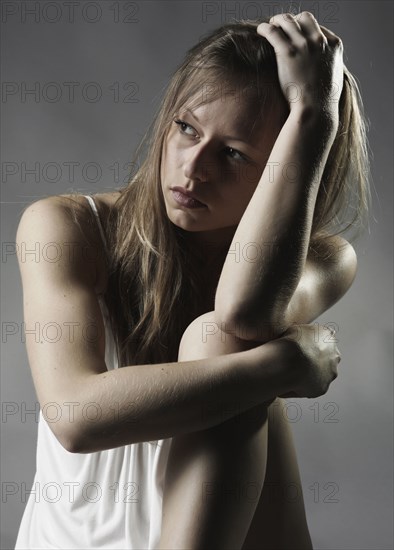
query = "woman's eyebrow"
{"x": 224, "y": 137}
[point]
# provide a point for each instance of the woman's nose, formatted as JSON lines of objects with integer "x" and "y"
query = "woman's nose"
{"x": 197, "y": 164}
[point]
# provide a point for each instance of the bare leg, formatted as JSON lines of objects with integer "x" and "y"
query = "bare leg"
{"x": 279, "y": 522}
{"x": 214, "y": 477}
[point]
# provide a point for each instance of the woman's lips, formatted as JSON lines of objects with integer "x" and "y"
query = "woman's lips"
{"x": 184, "y": 200}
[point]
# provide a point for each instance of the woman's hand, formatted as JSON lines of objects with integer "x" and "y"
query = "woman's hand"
{"x": 310, "y": 62}
{"x": 314, "y": 356}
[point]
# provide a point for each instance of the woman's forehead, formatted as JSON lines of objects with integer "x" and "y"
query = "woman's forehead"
{"x": 225, "y": 110}
{"x": 233, "y": 116}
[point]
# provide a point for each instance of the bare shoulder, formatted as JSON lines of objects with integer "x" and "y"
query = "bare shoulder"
{"x": 333, "y": 249}
{"x": 335, "y": 256}
{"x": 56, "y": 208}
{"x": 62, "y": 230}
{"x": 57, "y": 228}
{"x": 68, "y": 206}
{"x": 332, "y": 264}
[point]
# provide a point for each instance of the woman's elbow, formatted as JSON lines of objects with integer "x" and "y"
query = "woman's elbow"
{"x": 66, "y": 431}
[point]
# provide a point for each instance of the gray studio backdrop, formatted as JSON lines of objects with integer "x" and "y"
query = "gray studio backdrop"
{"x": 98, "y": 70}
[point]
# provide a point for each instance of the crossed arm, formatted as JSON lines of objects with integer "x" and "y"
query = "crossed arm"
{"x": 292, "y": 278}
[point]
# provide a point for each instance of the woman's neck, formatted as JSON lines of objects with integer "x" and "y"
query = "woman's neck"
{"x": 211, "y": 243}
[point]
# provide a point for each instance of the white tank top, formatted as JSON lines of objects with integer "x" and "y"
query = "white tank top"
{"x": 106, "y": 499}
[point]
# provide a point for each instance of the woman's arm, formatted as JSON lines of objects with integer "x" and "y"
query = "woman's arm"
{"x": 277, "y": 221}
{"x": 90, "y": 408}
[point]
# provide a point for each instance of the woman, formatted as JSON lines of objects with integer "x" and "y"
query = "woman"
{"x": 202, "y": 295}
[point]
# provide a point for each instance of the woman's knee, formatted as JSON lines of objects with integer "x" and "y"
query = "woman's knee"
{"x": 204, "y": 338}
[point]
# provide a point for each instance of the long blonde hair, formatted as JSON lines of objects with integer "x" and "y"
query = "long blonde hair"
{"x": 154, "y": 290}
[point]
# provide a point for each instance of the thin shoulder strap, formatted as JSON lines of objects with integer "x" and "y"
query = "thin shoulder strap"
{"x": 94, "y": 208}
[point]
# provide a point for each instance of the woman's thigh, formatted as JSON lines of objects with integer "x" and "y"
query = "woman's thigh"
{"x": 279, "y": 522}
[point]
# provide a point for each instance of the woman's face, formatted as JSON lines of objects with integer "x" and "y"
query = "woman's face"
{"x": 217, "y": 152}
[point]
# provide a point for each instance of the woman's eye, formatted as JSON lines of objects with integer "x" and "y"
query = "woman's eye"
{"x": 238, "y": 155}
{"x": 232, "y": 153}
{"x": 182, "y": 127}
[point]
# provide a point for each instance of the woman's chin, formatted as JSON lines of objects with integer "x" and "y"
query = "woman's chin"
{"x": 187, "y": 220}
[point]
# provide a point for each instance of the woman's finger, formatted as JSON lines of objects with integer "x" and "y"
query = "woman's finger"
{"x": 290, "y": 26}
{"x": 312, "y": 30}
{"x": 295, "y": 30}
{"x": 332, "y": 38}
{"x": 275, "y": 36}
{"x": 309, "y": 23}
